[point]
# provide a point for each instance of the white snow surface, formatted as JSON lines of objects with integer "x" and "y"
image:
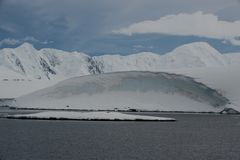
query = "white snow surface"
{"x": 25, "y": 61}
{"x": 125, "y": 90}
{"x": 67, "y": 64}
{"x": 233, "y": 58}
{"x": 194, "y": 55}
{"x": 91, "y": 116}
{"x": 44, "y": 64}
{"x": 24, "y": 69}
{"x": 18, "y": 87}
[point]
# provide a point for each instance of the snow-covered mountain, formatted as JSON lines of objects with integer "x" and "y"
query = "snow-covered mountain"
{"x": 28, "y": 62}
{"x": 21, "y": 67}
{"x": 124, "y": 90}
{"x": 193, "y": 55}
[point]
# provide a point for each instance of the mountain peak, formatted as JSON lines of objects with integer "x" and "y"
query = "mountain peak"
{"x": 199, "y": 54}
{"x": 196, "y": 46}
{"x": 199, "y": 49}
{"x": 27, "y": 46}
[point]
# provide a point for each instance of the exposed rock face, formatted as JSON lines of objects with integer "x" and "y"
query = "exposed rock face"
{"x": 46, "y": 68}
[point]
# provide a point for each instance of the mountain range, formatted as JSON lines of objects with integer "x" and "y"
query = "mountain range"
{"x": 26, "y": 62}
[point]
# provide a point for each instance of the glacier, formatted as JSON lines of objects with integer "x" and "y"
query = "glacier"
{"x": 140, "y": 90}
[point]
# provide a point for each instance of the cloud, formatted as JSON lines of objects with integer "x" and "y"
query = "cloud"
{"x": 70, "y": 23}
{"x": 9, "y": 41}
{"x": 195, "y": 24}
{"x": 30, "y": 39}
{"x": 235, "y": 41}
{"x": 12, "y": 41}
{"x": 1, "y": 1}
{"x": 8, "y": 28}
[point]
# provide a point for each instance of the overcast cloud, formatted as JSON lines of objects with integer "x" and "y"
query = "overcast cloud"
{"x": 195, "y": 24}
{"x": 70, "y": 22}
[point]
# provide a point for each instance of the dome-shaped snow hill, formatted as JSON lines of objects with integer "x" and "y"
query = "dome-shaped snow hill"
{"x": 125, "y": 90}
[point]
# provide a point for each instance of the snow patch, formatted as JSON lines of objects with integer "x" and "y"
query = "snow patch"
{"x": 89, "y": 116}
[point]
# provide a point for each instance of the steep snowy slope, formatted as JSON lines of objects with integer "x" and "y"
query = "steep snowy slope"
{"x": 25, "y": 60}
{"x": 46, "y": 63}
{"x": 124, "y": 90}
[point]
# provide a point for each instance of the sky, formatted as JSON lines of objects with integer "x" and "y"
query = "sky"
{"x": 74, "y": 24}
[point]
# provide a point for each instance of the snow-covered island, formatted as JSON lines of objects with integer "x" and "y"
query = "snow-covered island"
{"x": 97, "y": 116}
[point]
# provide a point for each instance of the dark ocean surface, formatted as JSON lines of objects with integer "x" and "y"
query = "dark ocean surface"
{"x": 191, "y": 137}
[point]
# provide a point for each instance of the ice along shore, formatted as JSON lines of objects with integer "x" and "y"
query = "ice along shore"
{"x": 88, "y": 116}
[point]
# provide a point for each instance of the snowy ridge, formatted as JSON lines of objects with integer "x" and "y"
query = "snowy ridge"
{"x": 28, "y": 62}
{"x": 198, "y": 54}
{"x": 193, "y": 55}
